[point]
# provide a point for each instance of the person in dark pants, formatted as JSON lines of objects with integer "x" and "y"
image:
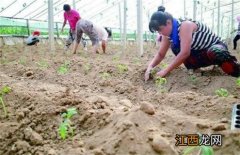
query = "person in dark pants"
{"x": 193, "y": 44}
{"x": 237, "y": 37}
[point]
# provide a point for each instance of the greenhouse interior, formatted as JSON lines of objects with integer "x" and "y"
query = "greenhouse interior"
{"x": 120, "y": 77}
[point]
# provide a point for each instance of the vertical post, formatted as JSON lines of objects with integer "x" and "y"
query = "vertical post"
{"x": 194, "y": 9}
{"x": 201, "y": 12}
{"x": 162, "y": 2}
{"x": 184, "y": 8}
{"x": 125, "y": 24}
{"x": 218, "y": 19}
{"x": 74, "y": 4}
{"x": 28, "y": 29}
{"x": 213, "y": 20}
{"x": 57, "y": 30}
{"x": 120, "y": 21}
{"x": 139, "y": 27}
{"x": 50, "y": 25}
{"x": 232, "y": 17}
{"x": 222, "y": 27}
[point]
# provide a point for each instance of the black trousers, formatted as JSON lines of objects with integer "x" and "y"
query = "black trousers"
{"x": 237, "y": 37}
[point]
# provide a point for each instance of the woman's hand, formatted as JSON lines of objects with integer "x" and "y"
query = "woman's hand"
{"x": 162, "y": 73}
{"x": 147, "y": 73}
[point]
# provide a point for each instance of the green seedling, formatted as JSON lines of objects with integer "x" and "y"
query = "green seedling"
{"x": 4, "y": 90}
{"x": 222, "y": 92}
{"x": 65, "y": 127}
{"x": 105, "y": 75}
{"x": 116, "y": 58}
{"x": 42, "y": 64}
{"x": 199, "y": 150}
{"x": 63, "y": 69}
{"x": 193, "y": 79}
{"x": 122, "y": 68}
{"x": 136, "y": 61}
{"x": 164, "y": 65}
{"x": 160, "y": 82}
{"x": 238, "y": 82}
{"x": 22, "y": 61}
{"x": 87, "y": 68}
{"x": 153, "y": 72}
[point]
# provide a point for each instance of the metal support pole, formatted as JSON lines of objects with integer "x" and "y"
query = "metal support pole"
{"x": 51, "y": 25}
{"x": 28, "y": 29}
{"x": 120, "y": 21}
{"x": 139, "y": 27}
{"x": 194, "y": 9}
{"x": 213, "y": 20}
{"x": 125, "y": 24}
{"x": 218, "y": 19}
{"x": 184, "y": 8}
{"x": 232, "y": 18}
{"x": 74, "y": 4}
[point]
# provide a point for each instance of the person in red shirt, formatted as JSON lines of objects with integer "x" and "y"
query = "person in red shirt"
{"x": 72, "y": 16}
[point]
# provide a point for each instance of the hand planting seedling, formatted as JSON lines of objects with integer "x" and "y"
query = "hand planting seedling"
{"x": 66, "y": 125}
{"x": 63, "y": 68}
{"x": 122, "y": 68}
{"x": 4, "y": 90}
{"x": 153, "y": 72}
{"x": 105, "y": 75}
{"x": 222, "y": 92}
{"x": 238, "y": 82}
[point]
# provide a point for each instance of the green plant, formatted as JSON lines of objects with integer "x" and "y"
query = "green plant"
{"x": 153, "y": 72}
{"x": 238, "y": 82}
{"x": 164, "y": 65}
{"x": 122, "y": 68}
{"x": 105, "y": 75}
{"x": 198, "y": 150}
{"x": 63, "y": 68}
{"x": 4, "y": 90}
{"x": 87, "y": 68}
{"x": 222, "y": 92}
{"x": 116, "y": 58}
{"x": 65, "y": 127}
{"x": 193, "y": 79}
{"x": 22, "y": 60}
{"x": 42, "y": 64}
{"x": 160, "y": 82}
{"x": 136, "y": 61}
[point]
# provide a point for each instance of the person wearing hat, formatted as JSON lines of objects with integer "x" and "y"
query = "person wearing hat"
{"x": 193, "y": 44}
{"x": 33, "y": 39}
{"x": 72, "y": 16}
{"x": 237, "y": 37}
{"x": 94, "y": 32}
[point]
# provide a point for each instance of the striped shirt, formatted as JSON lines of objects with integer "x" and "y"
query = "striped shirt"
{"x": 203, "y": 37}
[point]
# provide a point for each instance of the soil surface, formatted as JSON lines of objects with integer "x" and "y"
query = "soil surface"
{"x": 118, "y": 113}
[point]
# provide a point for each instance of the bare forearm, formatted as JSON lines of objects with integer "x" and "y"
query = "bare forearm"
{"x": 179, "y": 59}
{"x": 156, "y": 60}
